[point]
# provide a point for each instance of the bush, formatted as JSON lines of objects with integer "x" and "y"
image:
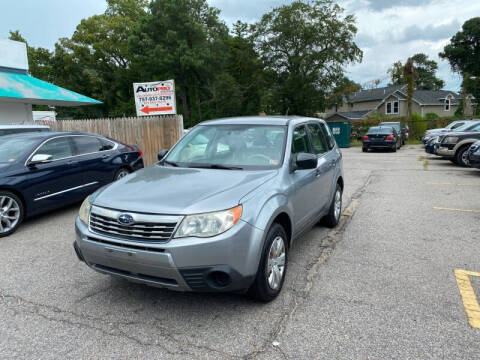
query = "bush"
{"x": 431, "y": 116}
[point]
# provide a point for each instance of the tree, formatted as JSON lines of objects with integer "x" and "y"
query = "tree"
{"x": 424, "y": 73}
{"x": 396, "y": 73}
{"x": 463, "y": 53}
{"x": 409, "y": 76}
{"x": 340, "y": 92}
{"x": 305, "y": 46}
{"x": 182, "y": 40}
{"x": 39, "y": 59}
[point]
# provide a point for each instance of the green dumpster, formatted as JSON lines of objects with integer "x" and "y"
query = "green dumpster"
{"x": 341, "y": 130}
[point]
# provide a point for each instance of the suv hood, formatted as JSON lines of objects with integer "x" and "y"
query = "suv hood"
{"x": 181, "y": 191}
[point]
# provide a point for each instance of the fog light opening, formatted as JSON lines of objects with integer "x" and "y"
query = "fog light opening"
{"x": 219, "y": 278}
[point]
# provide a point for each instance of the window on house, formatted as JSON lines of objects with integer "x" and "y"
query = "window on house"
{"x": 392, "y": 107}
{"x": 447, "y": 104}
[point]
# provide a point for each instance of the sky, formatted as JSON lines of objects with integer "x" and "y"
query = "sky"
{"x": 388, "y": 30}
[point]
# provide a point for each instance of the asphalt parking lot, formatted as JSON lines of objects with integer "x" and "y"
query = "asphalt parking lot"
{"x": 381, "y": 286}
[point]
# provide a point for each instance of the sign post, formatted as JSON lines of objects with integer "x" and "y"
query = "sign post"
{"x": 155, "y": 98}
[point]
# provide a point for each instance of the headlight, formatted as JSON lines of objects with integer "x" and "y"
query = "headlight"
{"x": 84, "y": 213}
{"x": 451, "y": 139}
{"x": 209, "y": 224}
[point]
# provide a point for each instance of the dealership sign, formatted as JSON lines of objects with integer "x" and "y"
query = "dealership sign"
{"x": 155, "y": 98}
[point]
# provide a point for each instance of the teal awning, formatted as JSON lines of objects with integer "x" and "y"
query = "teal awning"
{"x": 22, "y": 88}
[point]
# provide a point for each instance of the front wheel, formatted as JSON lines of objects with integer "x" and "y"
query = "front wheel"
{"x": 11, "y": 213}
{"x": 332, "y": 219}
{"x": 273, "y": 266}
{"x": 461, "y": 157}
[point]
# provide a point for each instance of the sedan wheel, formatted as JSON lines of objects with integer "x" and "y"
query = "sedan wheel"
{"x": 121, "y": 174}
{"x": 10, "y": 213}
{"x": 276, "y": 263}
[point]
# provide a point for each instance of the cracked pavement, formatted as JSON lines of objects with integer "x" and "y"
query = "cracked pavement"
{"x": 379, "y": 286}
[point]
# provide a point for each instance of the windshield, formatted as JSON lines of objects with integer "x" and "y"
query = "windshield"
{"x": 230, "y": 146}
{"x": 13, "y": 148}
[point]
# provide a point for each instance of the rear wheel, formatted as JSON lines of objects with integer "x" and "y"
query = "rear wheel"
{"x": 461, "y": 157}
{"x": 121, "y": 173}
{"x": 333, "y": 217}
{"x": 364, "y": 149}
{"x": 11, "y": 213}
{"x": 273, "y": 266}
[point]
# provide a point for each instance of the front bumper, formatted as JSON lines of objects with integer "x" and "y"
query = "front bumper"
{"x": 445, "y": 151}
{"x": 474, "y": 159}
{"x": 224, "y": 263}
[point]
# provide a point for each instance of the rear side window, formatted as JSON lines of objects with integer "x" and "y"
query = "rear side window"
{"x": 318, "y": 139}
{"x": 300, "y": 142}
{"x": 58, "y": 148}
{"x": 329, "y": 136}
{"x": 86, "y": 144}
{"x": 107, "y": 145}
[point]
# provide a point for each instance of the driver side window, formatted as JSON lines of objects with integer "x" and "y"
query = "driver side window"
{"x": 300, "y": 141}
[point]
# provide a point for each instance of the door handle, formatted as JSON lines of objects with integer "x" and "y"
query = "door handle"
{"x": 104, "y": 156}
{"x": 72, "y": 162}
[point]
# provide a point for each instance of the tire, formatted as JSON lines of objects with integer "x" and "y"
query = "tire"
{"x": 364, "y": 149}
{"x": 261, "y": 289}
{"x": 12, "y": 212}
{"x": 394, "y": 148}
{"x": 121, "y": 173}
{"x": 461, "y": 157}
{"x": 332, "y": 219}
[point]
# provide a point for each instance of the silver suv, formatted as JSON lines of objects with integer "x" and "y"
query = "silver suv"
{"x": 220, "y": 210}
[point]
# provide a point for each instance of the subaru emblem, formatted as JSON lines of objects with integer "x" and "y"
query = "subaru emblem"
{"x": 125, "y": 219}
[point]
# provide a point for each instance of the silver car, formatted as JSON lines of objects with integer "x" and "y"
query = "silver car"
{"x": 220, "y": 210}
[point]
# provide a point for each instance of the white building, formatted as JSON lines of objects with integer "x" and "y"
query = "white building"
{"x": 19, "y": 91}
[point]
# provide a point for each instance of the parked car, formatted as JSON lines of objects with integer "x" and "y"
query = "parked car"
{"x": 18, "y": 129}
{"x": 382, "y": 137}
{"x": 400, "y": 128}
{"x": 474, "y": 155}
{"x": 455, "y": 125}
{"x": 434, "y": 142}
{"x": 47, "y": 170}
{"x": 220, "y": 217}
{"x": 454, "y": 146}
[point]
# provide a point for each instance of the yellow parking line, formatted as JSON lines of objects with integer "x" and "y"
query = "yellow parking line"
{"x": 451, "y": 184}
{"x": 453, "y": 209}
{"x": 469, "y": 298}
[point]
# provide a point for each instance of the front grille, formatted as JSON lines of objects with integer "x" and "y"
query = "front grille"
{"x": 157, "y": 229}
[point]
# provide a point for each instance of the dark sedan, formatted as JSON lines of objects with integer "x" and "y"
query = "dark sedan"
{"x": 382, "y": 137}
{"x": 474, "y": 155}
{"x": 43, "y": 171}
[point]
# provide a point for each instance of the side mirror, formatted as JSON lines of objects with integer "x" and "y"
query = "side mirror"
{"x": 306, "y": 161}
{"x": 161, "y": 154}
{"x": 40, "y": 159}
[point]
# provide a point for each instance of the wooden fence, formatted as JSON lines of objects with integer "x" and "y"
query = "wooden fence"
{"x": 151, "y": 134}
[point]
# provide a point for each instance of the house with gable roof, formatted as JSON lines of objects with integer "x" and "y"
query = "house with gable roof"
{"x": 391, "y": 101}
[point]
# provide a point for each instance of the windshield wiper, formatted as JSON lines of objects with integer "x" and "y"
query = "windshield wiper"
{"x": 170, "y": 163}
{"x": 216, "y": 166}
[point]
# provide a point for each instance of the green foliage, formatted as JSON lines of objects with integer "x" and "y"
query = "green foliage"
{"x": 291, "y": 60}
{"x": 423, "y": 75}
{"x": 343, "y": 88}
{"x": 305, "y": 45}
{"x": 431, "y": 116}
{"x": 463, "y": 53}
